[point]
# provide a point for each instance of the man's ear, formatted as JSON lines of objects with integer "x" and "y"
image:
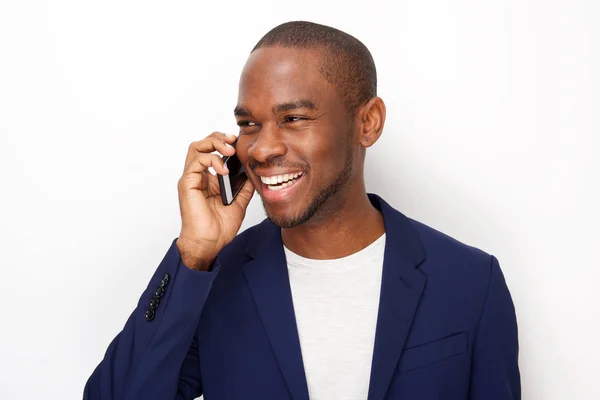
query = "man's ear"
{"x": 372, "y": 121}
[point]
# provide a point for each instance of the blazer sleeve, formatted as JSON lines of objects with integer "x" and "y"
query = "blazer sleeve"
{"x": 495, "y": 371}
{"x": 155, "y": 356}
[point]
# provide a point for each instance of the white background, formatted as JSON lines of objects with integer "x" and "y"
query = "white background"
{"x": 491, "y": 137}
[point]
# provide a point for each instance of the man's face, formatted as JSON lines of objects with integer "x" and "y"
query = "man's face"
{"x": 296, "y": 135}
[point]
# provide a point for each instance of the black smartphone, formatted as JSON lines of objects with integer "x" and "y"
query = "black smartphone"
{"x": 231, "y": 184}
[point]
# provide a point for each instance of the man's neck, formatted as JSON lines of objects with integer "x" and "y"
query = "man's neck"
{"x": 351, "y": 228}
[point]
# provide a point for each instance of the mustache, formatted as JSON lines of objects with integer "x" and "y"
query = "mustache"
{"x": 276, "y": 162}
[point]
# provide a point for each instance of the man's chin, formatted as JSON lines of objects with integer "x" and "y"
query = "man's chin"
{"x": 284, "y": 218}
{"x": 283, "y": 221}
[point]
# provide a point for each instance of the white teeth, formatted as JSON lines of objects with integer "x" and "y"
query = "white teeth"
{"x": 276, "y": 188}
{"x": 274, "y": 180}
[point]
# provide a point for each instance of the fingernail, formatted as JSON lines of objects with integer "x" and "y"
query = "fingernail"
{"x": 228, "y": 146}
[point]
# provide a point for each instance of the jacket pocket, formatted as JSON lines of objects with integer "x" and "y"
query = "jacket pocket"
{"x": 433, "y": 352}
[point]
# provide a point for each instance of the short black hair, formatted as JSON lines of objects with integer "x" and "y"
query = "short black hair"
{"x": 347, "y": 63}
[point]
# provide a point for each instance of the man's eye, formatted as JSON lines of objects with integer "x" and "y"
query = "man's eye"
{"x": 293, "y": 119}
{"x": 246, "y": 123}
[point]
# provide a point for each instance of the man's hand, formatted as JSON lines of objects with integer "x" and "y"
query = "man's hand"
{"x": 206, "y": 224}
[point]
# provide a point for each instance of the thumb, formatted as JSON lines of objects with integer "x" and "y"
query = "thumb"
{"x": 245, "y": 195}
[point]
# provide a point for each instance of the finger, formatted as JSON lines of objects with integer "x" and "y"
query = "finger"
{"x": 214, "y": 142}
{"x": 204, "y": 178}
{"x": 245, "y": 195}
{"x": 204, "y": 182}
{"x": 212, "y": 186}
{"x": 202, "y": 161}
{"x": 228, "y": 137}
{"x": 193, "y": 181}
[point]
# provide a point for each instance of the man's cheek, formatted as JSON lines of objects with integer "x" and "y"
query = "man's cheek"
{"x": 241, "y": 150}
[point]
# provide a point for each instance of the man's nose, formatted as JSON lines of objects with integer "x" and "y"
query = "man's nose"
{"x": 269, "y": 144}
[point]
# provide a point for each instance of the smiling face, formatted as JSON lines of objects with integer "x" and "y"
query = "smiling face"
{"x": 297, "y": 139}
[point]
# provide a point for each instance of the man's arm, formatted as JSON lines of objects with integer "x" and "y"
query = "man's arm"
{"x": 495, "y": 371}
{"x": 155, "y": 356}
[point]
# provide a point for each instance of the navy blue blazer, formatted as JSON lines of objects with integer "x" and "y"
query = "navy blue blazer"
{"x": 446, "y": 326}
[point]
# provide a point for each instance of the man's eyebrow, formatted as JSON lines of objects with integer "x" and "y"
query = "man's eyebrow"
{"x": 294, "y": 105}
{"x": 241, "y": 112}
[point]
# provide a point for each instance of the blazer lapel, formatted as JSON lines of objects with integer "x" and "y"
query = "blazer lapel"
{"x": 267, "y": 277}
{"x": 401, "y": 290}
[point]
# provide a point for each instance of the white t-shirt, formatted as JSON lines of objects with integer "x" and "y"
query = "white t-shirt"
{"x": 336, "y": 303}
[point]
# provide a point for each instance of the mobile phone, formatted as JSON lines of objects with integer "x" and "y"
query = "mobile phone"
{"x": 232, "y": 183}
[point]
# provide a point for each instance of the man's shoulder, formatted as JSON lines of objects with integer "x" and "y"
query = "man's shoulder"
{"x": 436, "y": 241}
{"x": 446, "y": 255}
{"x": 419, "y": 241}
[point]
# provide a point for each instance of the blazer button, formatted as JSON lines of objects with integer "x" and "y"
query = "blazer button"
{"x": 160, "y": 291}
{"x": 165, "y": 280}
{"x": 154, "y": 303}
{"x": 150, "y": 314}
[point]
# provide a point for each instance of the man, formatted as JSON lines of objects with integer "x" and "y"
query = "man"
{"x": 336, "y": 295}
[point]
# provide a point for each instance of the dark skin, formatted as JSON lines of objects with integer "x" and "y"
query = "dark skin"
{"x": 292, "y": 119}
